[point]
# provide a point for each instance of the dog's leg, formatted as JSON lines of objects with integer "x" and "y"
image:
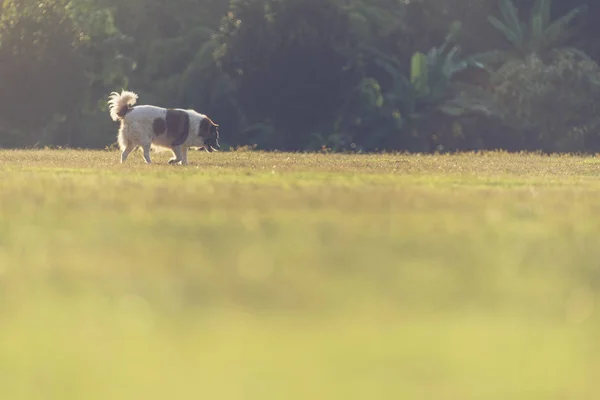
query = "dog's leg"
{"x": 146, "y": 148}
{"x": 184, "y": 153}
{"x": 126, "y": 152}
{"x": 177, "y": 153}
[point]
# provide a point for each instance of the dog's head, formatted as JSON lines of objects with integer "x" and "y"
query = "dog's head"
{"x": 210, "y": 133}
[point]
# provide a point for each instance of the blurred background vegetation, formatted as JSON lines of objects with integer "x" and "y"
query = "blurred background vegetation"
{"x": 293, "y": 75}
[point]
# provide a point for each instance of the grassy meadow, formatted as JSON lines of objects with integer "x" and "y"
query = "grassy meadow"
{"x": 248, "y": 275}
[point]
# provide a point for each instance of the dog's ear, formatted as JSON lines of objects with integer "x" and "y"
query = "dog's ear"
{"x": 204, "y": 128}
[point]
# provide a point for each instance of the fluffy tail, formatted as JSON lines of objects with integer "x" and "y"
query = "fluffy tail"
{"x": 120, "y": 104}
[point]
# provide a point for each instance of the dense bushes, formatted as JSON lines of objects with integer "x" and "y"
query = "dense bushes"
{"x": 348, "y": 75}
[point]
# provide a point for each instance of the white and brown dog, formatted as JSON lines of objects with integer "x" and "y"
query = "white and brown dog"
{"x": 150, "y": 126}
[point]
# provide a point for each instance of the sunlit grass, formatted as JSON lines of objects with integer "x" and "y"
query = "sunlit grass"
{"x": 299, "y": 276}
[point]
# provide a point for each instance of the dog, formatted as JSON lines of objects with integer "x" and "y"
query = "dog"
{"x": 149, "y": 127}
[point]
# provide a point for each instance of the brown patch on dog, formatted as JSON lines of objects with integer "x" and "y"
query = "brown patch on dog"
{"x": 159, "y": 126}
{"x": 178, "y": 126}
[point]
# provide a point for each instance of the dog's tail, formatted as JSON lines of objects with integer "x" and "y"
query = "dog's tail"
{"x": 120, "y": 104}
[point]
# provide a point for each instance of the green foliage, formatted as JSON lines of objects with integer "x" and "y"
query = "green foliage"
{"x": 54, "y": 52}
{"x": 347, "y": 75}
{"x": 301, "y": 56}
{"x": 543, "y": 91}
{"x": 537, "y": 36}
{"x": 419, "y": 74}
{"x": 406, "y": 113}
{"x": 557, "y": 100}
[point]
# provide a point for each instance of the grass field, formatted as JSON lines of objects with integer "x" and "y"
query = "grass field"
{"x": 294, "y": 276}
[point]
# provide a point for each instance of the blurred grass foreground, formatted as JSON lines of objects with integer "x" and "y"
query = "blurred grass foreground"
{"x": 290, "y": 276}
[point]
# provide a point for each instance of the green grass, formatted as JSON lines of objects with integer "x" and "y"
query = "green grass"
{"x": 297, "y": 276}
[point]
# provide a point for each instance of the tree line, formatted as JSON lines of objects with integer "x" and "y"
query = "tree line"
{"x": 309, "y": 75}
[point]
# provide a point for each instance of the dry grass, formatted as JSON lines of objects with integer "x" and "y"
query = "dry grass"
{"x": 296, "y": 276}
